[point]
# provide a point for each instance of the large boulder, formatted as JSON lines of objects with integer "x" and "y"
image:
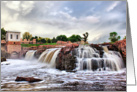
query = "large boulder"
{"x": 66, "y": 58}
{"x": 66, "y": 62}
{"x": 29, "y": 79}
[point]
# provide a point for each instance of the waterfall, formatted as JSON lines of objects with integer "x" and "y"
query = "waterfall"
{"x": 105, "y": 49}
{"x": 30, "y": 54}
{"x": 86, "y": 52}
{"x": 114, "y": 60}
{"x": 49, "y": 56}
{"x": 89, "y": 59}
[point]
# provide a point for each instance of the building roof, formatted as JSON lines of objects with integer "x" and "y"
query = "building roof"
{"x": 12, "y": 32}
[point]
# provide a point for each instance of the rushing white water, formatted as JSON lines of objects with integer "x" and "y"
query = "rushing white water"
{"x": 86, "y": 52}
{"x": 88, "y": 58}
{"x": 105, "y": 49}
{"x": 114, "y": 60}
{"x": 30, "y": 54}
{"x": 49, "y": 56}
{"x": 55, "y": 80}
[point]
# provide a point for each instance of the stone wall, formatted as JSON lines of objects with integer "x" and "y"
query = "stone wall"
{"x": 63, "y": 42}
{"x": 3, "y": 50}
{"x": 25, "y": 41}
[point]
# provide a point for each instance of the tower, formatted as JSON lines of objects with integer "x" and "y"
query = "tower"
{"x": 13, "y": 45}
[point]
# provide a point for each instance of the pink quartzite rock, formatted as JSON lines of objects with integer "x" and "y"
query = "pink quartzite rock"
{"x": 65, "y": 60}
{"x": 121, "y": 45}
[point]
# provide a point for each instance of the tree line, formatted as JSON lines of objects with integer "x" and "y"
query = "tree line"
{"x": 113, "y": 37}
{"x": 72, "y": 38}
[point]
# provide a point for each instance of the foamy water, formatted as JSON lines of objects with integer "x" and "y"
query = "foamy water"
{"x": 56, "y": 80}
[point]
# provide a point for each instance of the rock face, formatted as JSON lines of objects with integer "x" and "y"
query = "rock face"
{"x": 39, "y": 52}
{"x": 29, "y": 79}
{"x": 66, "y": 59}
{"x": 99, "y": 48}
{"x": 121, "y": 46}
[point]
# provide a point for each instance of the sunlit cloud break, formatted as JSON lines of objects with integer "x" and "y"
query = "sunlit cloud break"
{"x": 53, "y": 18}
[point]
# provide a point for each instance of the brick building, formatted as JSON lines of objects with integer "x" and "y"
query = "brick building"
{"x": 25, "y": 41}
{"x": 13, "y": 44}
{"x": 63, "y": 42}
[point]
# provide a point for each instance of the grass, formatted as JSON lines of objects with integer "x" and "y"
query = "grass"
{"x": 29, "y": 45}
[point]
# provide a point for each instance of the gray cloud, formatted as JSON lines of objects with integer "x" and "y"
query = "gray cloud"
{"x": 52, "y": 18}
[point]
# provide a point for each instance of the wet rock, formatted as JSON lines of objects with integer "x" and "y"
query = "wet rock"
{"x": 99, "y": 49}
{"x": 39, "y": 52}
{"x": 70, "y": 62}
{"x": 66, "y": 58}
{"x": 3, "y": 59}
{"x": 97, "y": 46}
{"x": 112, "y": 47}
{"x": 29, "y": 79}
{"x": 94, "y": 64}
{"x": 66, "y": 62}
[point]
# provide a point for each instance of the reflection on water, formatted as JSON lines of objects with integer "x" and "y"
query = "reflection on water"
{"x": 55, "y": 80}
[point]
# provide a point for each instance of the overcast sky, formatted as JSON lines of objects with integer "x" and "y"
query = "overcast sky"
{"x": 53, "y": 18}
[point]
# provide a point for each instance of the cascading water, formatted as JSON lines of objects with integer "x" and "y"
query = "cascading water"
{"x": 88, "y": 58}
{"x": 55, "y": 80}
{"x": 30, "y": 54}
{"x": 49, "y": 56}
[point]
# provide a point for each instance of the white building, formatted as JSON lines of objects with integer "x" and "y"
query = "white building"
{"x": 12, "y": 36}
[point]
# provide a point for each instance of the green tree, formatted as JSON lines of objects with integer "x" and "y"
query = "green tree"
{"x": 43, "y": 40}
{"x": 62, "y": 38}
{"x": 32, "y": 38}
{"x": 124, "y": 37}
{"x": 39, "y": 39}
{"x": 3, "y": 34}
{"x": 48, "y": 40}
{"x": 114, "y": 37}
{"x": 27, "y": 35}
{"x": 78, "y": 37}
{"x": 85, "y": 38}
{"x": 54, "y": 40}
{"x": 75, "y": 38}
{"x": 36, "y": 37}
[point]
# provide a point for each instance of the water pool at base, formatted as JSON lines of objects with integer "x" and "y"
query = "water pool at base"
{"x": 56, "y": 80}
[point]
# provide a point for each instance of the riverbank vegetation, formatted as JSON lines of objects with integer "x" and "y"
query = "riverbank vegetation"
{"x": 29, "y": 45}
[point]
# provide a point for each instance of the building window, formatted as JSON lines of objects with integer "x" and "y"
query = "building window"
{"x": 11, "y": 36}
{"x": 16, "y": 36}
